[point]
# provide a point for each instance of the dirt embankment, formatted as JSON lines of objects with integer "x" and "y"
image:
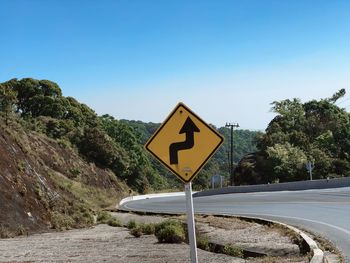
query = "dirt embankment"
{"x": 45, "y": 183}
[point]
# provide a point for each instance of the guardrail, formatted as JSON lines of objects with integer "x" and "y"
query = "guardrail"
{"x": 141, "y": 197}
{"x": 292, "y": 186}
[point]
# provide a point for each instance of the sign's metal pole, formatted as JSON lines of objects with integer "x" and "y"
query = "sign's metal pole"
{"x": 190, "y": 223}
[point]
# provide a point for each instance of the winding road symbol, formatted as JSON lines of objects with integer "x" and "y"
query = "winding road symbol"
{"x": 189, "y": 128}
{"x": 184, "y": 143}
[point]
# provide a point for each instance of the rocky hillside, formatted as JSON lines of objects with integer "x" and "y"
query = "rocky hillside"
{"x": 60, "y": 162}
{"x": 44, "y": 183}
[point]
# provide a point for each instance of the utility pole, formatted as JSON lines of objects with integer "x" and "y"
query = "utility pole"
{"x": 231, "y": 125}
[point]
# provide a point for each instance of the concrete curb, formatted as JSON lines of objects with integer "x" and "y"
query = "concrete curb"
{"x": 330, "y": 258}
{"x": 318, "y": 254}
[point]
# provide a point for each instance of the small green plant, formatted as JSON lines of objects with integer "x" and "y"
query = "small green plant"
{"x": 203, "y": 242}
{"x": 75, "y": 172}
{"x": 21, "y": 166}
{"x": 61, "y": 221}
{"x": 103, "y": 217}
{"x": 83, "y": 218}
{"x": 114, "y": 222}
{"x": 4, "y": 232}
{"x": 233, "y": 251}
{"x": 64, "y": 143}
{"x": 136, "y": 231}
{"x": 170, "y": 231}
{"x": 132, "y": 224}
{"x": 148, "y": 229}
{"x": 21, "y": 230}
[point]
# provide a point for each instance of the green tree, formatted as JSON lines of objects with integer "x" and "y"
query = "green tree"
{"x": 31, "y": 91}
{"x": 317, "y": 131}
{"x": 336, "y": 96}
{"x": 288, "y": 162}
{"x": 141, "y": 175}
{"x": 100, "y": 148}
{"x": 8, "y": 99}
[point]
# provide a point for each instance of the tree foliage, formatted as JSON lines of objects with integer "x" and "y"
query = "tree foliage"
{"x": 315, "y": 131}
{"x": 8, "y": 100}
{"x": 109, "y": 143}
{"x": 244, "y": 141}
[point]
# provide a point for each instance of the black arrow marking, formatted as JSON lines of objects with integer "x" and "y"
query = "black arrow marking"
{"x": 189, "y": 128}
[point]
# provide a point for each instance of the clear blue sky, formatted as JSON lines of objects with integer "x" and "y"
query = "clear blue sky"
{"x": 227, "y": 60}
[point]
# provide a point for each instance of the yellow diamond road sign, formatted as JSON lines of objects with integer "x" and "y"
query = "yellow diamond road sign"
{"x": 184, "y": 143}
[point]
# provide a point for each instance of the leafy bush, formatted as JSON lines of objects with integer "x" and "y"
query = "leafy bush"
{"x": 114, "y": 222}
{"x": 203, "y": 242}
{"x": 148, "y": 229}
{"x": 61, "y": 221}
{"x": 233, "y": 251}
{"x": 82, "y": 217}
{"x": 4, "y": 232}
{"x": 21, "y": 230}
{"x": 136, "y": 231}
{"x": 132, "y": 224}
{"x": 170, "y": 231}
{"x": 104, "y": 217}
{"x": 75, "y": 172}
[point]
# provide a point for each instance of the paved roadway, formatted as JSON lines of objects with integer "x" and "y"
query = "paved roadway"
{"x": 326, "y": 212}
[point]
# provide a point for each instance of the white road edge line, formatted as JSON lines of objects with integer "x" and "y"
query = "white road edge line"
{"x": 302, "y": 219}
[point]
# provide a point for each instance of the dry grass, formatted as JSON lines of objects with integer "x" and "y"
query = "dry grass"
{"x": 228, "y": 223}
{"x": 325, "y": 245}
{"x": 280, "y": 260}
{"x": 96, "y": 198}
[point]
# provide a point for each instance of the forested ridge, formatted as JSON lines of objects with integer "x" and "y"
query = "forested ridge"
{"x": 39, "y": 105}
{"x": 244, "y": 141}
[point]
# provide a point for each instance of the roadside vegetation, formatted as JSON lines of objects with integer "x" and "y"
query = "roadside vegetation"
{"x": 175, "y": 231}
{"x": 103, "y": 217}
{"x": 39, "y": 105}
{"x": 317, "y": 131}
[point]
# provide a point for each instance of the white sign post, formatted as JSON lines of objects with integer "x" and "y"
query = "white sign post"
{"x": 190, "y": 223}
{"x": 184, "y": 143}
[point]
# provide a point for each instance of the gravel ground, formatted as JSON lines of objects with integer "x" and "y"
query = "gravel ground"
{"x": 249, "y": 236}
{"x": 114, "y": 244}
{"x": 100, "y": 244}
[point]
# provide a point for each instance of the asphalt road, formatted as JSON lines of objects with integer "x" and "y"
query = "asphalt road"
{"x": 325, "y": 212}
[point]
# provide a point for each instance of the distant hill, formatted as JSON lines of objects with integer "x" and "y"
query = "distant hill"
{"x": 244, "y": 142}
